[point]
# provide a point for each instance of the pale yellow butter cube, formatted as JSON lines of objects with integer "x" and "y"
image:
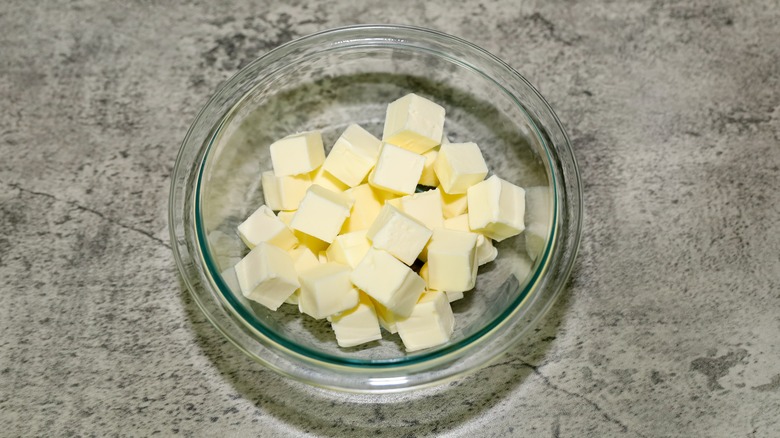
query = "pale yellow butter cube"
{"x": 353, "y": 155}
{"x": 453, "y": 205}
{"x": 357, "y": 325}
{"x": 399, "y": 234}
{"x": 303, "y": 259}
{"x": 537, "y": 219}
{"x": 395, "y": 202}
{"x": 297, "y": 154}
{"x": 397, "y": 170}
{"x": 414, "y": 123}
{"x": 459, "y": 166}
{"x": 326, "y": 290}
{"x": 496, "y": 208}
{"x": 267, "y": 275}
{"x": 426, "y": 207}
{"x": 349, "y": 248}
{"x": 452, "y": 260}
{"x": 322, "y": 213}
{"x": 430, "y": 323}
{"x": 386, "y": 317}
{"x": 322, "y": 256}
{"x": 367, "y": 205}
{"x": 286, "y": 217}
{"x": 264, "y": 226}
{"x": 428, "y": 177}
{"x": 451, "y": 296}
{"x": 388, "y": 281}
{"x": 324, "y": 179}
{"x": 284, "y": 192}
{"x": 486, "y": 252}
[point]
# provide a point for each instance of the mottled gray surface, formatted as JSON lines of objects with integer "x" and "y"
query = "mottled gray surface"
{"x": 671, "y": 325}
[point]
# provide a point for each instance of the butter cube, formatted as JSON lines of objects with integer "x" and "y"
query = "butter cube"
{"x": 284, "y": 192}
{"x": 452, "y": 260}
{"x": 353, "y": 155}
{"x": 386, "y": 317}
{"x": 388, "y": 281}
{"x": 451, "y": 296}
{"x": 395, "y": 202}
{"x": 326, "y": 290}
{"x": 453, "y": 205}
{"x": 349, "y": 249}
{"x": 367, "y": 205}
{"x": 486, "y": 252}
{"x": 286, "y": 217}
{"x": 264, "y": 226}
{"x": 297, "y": 154}
{"x": 322, "y": 256}
{"x": 322, "y": 213}
{"x": 428, "y": 177}
{"x": 430, "y": 323}
{"x": 267, "y": 275}
{"x": 426, "y": 207}
{"x": 399, "y": 234}
{"x": 357, "y": 325}
{"x": 397, "y": 170}
{"x": 496, "y": 208}
{"x": 324, "y": 179}
{"x": 459, "y": 166}
{"x": 537, "y": 218}
{"x": 414, "y": 123}
{"x": 460, "y": 223}
{"x": 303, "y": 259}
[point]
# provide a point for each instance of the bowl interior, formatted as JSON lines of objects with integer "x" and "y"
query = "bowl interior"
{"x": 326, "y": 91}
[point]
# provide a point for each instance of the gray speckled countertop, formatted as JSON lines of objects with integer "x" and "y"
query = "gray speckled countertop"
{"x": 670, "y": 326}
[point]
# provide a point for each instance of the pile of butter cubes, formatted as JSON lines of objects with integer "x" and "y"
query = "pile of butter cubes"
{"x": 351, "y": 228}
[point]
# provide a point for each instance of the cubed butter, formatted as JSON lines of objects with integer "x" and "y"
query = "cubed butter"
{"x": 264, "y": 226}
{"x": 453, "y": 205}
{"x": 357, "y": 325}
{"x": 297, "y": 154}
{"x": 459, "y": 166}
{"x": 397, "y": 170}
{"x": 286, "y": 216}
{"x": 284, "y": 192}
{"x": 324, "y": 179}
{"x": 322, "y": 213}
{"x": 452, "y": 260}
{"x": 426, "y": 207}
{"x": 386, "y": 317}
{"x": 428, "y": 177}
{"x": 326, "y": 290}
{"x": 399, "y": 234}
{"x": 322, "y": 256}
{"x": 267, "y": 275}
{"x": 496, "y": 208}
{"x": 414, "y": 123}
{"x": 353, "y": 155}
{"x": 349, "y": 249}
{"x": 451, "y": 296}
{"x": 537, "y": 218}
{"x": 486, "y": 252}
{"x": 430, "y": 323}
{"x": 303, "y": 259}
{"x": 388, "y": 281}
{"x": 367, "y": 205}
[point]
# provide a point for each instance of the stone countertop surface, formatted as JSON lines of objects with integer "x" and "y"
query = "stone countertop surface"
{"x": 670, "y": 325}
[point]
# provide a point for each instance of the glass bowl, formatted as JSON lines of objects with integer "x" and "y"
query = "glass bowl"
{"x": 326, "y": 81}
